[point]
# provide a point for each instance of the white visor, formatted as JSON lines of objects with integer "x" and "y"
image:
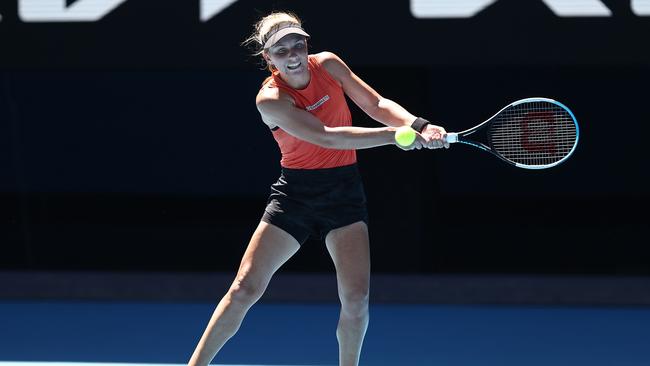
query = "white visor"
{"x": 283, "y": 32}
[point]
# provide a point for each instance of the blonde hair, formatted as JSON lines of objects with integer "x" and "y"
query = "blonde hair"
{"x": 265, "y": 27}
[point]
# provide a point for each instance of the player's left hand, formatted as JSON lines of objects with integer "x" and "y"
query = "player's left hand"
{"x": 418, "y": 144}
{"x": 435, "y": 137}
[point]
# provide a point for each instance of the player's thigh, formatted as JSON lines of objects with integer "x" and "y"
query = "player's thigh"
{"x": 349, "y": 247}
{"x": 269, "y": 248}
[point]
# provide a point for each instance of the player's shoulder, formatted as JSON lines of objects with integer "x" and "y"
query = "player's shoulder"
{"x": 272, "y": 104}
{"x": 266, "y": 93}
{"x": 326, "y": 58}
{"x": 270, "y": 97}
{"x": 333, "y": 64}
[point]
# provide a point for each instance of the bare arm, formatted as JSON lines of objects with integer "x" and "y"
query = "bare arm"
{"x": 373, "y": 104}
{"x": 277, "y": 111}
{"x": 381, "y": 109}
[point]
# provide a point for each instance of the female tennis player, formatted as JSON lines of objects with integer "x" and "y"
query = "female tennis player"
{"x": 319, "y": 192}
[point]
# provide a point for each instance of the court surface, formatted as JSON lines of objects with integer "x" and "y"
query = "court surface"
{"x": 94, "y": 333}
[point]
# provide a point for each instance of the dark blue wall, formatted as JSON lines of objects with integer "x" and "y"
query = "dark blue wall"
{"x": 133, "y": 142}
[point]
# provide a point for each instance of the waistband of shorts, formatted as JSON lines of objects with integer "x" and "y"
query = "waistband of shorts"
{"x": 325, "y": 174}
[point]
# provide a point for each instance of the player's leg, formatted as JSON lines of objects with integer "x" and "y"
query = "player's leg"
{"x": 349, "y": 248}
{"x": 269, "y": 248}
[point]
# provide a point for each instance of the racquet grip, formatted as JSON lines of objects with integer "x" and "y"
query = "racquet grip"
{"x": 451, "y": 137}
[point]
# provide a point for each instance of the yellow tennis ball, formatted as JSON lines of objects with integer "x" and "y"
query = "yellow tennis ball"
{"x": 405, "y": 136}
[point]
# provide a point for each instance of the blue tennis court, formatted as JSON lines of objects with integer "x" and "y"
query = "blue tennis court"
{"x": 49, "y": 333}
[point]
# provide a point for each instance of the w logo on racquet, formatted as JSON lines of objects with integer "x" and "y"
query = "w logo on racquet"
{"x": 538, "y": 132}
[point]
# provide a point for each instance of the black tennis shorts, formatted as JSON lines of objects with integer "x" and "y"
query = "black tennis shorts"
{"x": 311, "y": 202}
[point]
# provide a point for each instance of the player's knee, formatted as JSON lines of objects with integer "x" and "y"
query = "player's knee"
{"x": 246, "y": 290}
{"x": 354, "y": 303}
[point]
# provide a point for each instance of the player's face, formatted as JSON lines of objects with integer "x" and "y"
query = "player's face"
{"x": 289, "y": 55}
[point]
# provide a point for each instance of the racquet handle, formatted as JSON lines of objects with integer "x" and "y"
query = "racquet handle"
{"x": 451, "y": 137}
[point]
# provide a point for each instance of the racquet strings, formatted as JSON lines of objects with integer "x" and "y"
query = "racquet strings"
{"x": 533, "y": 133}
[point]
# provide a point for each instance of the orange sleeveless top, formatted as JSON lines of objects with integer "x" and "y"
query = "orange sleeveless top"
{"x": 324, "y": 98}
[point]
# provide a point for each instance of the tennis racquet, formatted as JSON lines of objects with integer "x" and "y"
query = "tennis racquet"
{"x": 531, "y": 133}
